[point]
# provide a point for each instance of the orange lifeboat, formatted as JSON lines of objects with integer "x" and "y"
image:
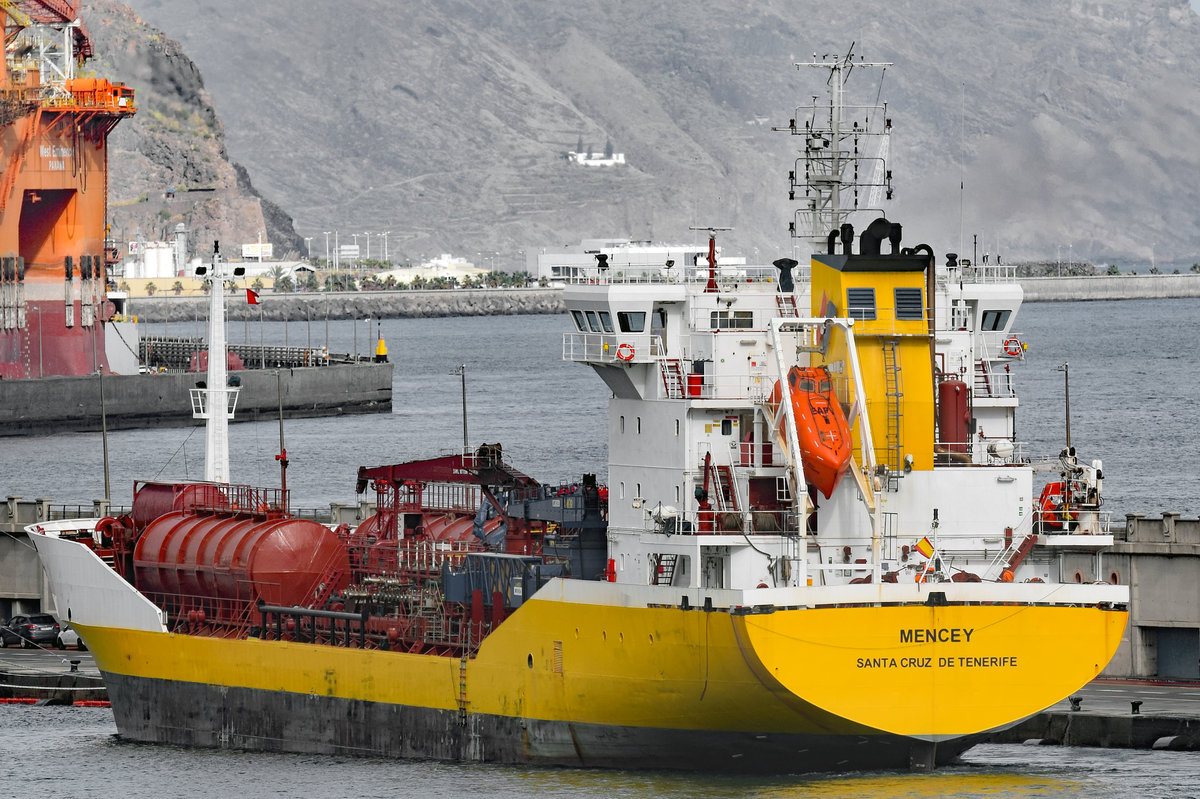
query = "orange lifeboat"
{"x": 821, "y": 427}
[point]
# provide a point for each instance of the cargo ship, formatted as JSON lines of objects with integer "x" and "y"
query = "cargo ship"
{"x": 755, "y": 589}
{"x": 61, "y": 317}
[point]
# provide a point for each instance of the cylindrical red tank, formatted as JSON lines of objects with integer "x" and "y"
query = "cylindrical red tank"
{"x": 155, "y": 499}
{"x": 954, "y": 417}
{"x": 281, "y": 561}
{"x": 449, "y": 527}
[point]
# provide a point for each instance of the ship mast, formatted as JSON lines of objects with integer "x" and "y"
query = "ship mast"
{"x": 844, "y": 159}
{"x": 215, "y": 401}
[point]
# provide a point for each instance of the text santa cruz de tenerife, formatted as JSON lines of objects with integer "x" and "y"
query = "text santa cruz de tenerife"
{"x": 940, "y": 635}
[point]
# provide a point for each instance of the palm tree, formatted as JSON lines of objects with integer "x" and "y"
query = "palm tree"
{"x": 150, "y": 289}
{"x": 177, "y": 288}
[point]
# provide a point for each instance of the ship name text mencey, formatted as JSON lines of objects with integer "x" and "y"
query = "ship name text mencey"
{"x": 944, "y": 635}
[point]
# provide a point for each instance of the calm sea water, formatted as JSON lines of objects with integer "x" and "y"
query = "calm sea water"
{"x": 1133, "y": 377}
{"x": 73, "y": 752}
{"x": 1133, "y": 380}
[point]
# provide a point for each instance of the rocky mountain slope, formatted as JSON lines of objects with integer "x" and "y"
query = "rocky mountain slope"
{"x": 168, "y": 164}
{"x": 1068, "y": 125}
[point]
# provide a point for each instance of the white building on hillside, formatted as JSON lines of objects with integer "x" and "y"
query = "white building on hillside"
{"x": 596, "y": 159}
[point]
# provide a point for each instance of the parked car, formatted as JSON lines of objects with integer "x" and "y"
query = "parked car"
{"x": 29, "y": 629}
{"x": 67, "y": 637}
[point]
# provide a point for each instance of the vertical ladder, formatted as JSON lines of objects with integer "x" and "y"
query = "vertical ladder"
{"x": 892, "y": 385}
{"x": 462, "y": 690}
{"x": 787, "y": 305}
{"x": 664, "y": 568}
{"x": 672, "y": 378}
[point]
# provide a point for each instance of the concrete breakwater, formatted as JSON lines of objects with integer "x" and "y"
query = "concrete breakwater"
{"x": 357, "y": 305}
{"x": 1110, "y": 287}
{"x": 503, "y": 302}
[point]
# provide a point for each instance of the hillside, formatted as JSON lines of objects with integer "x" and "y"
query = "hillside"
{"x": 168, "y": 164}
{"x": 446, "y": 123}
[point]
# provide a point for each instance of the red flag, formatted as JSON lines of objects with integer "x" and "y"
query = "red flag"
{"x": 252, "y": 296}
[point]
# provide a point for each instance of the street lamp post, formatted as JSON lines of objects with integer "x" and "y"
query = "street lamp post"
{"x": 308, "y": 246}
{"x": 326, "y": 249}
{"x": 385, "y": 254}
{"x": 368, "y": 235}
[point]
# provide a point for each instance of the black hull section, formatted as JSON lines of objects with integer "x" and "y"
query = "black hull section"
{"x": 199, "y": 715}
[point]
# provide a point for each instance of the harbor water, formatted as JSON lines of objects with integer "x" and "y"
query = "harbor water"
{"x": 1133, "y": 380}
{"x": 73, "y": 752}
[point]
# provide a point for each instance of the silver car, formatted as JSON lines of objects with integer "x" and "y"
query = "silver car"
{"x": 31, "y": 629}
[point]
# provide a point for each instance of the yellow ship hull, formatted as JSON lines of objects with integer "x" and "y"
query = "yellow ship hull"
{"x": 597, "y": 685}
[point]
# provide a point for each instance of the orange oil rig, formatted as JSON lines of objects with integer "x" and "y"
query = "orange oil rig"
{"x": 54, "y": 258}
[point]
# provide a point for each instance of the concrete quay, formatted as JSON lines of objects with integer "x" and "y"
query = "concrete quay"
{"x": 50, "y": 676}
{"x": 1115, "y": 714}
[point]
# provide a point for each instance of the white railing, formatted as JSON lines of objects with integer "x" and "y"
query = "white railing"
{"x": 612, "y": 347}
{"x": 988, "y": 273}
{"x": 657, "y": 273}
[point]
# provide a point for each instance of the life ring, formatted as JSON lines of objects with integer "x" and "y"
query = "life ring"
{"x": 625, "y": 352}
{"x": 1012, "y": 346}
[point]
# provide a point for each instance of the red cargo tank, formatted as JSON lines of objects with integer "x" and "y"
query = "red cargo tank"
{"x": 151, "y": 500}
{"x": 281, "y": 561}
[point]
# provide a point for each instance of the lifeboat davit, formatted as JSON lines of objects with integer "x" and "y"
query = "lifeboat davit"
{"x": 821, "y": 428}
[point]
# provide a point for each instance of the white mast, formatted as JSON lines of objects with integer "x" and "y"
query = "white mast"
{"x": 838, "y": 164}
{"x": 215, "y": 402}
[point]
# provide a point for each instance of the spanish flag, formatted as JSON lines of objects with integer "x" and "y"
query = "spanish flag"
{"x": 925, "y": 547}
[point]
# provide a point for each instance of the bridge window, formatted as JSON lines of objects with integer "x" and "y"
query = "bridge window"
{"x": 860, "y": 303}
{"x": 994, "y": 320}
{"x": 606, "y": 321}
{"x": 578, "y": 317}
{"x": 908, "y": 304}
{"x": 731, "y": 320}
{"x": 632, "y": 321}
{"x": 593, "y": 321}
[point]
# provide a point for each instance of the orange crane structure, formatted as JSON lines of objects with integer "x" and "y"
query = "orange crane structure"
{"x": 54, "y": 128}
